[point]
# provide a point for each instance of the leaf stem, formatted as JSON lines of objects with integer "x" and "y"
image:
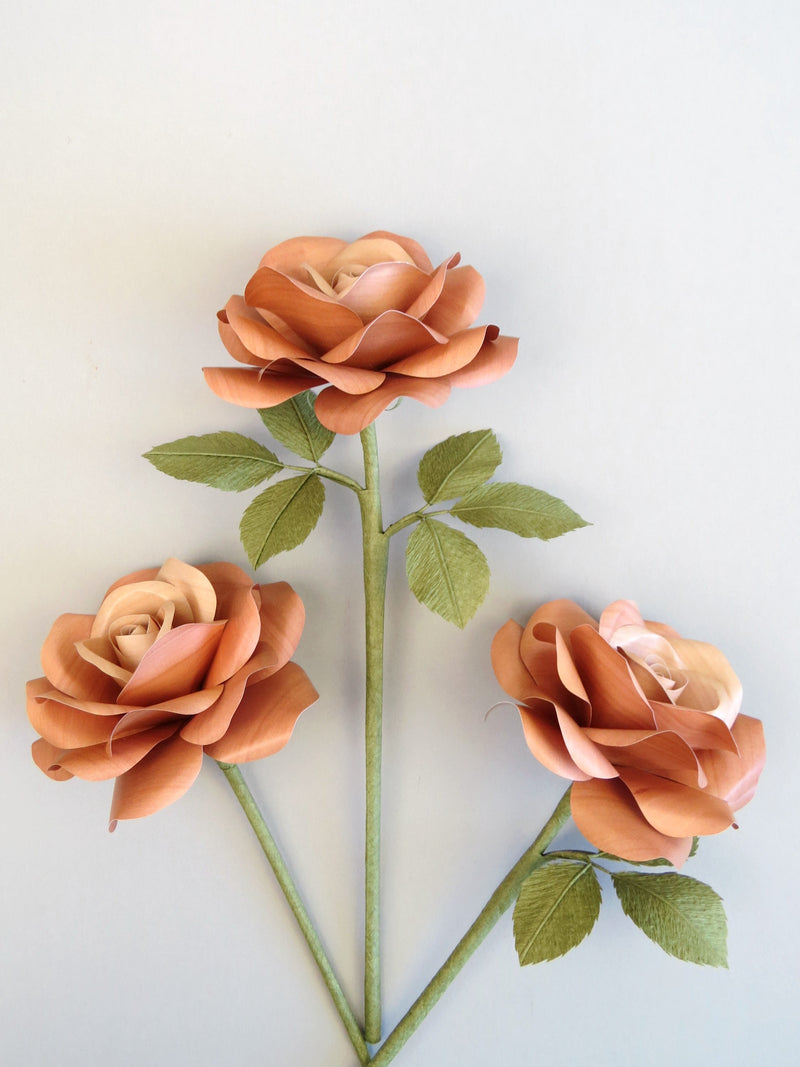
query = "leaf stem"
{"x": 327, "y": 472}
{"x": 376, "y": 559}
{"x": 278, "y": 864}
{"x": 499, "y": 902}
{"x": 412, "y": 517}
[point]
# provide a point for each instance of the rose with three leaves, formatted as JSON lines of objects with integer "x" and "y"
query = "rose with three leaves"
{"x": 644, "y": 722}
{"x": 372, "y": 321}
{"x": 176, "y": 662}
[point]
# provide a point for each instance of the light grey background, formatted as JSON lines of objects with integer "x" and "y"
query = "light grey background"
{"x": 625, "y": 176}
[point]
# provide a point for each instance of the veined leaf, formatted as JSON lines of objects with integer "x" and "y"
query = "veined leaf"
{"x": 224, "y": 460}
{"x": 458, "y": 464}
{"x": 521, "y": 509}
{"x": 295, "y": 425}
{"x": 685, "y": 917}
{"x": 446, "y": 571}
{"x": 557, "y": 908}
{"x": 281, "y": 517}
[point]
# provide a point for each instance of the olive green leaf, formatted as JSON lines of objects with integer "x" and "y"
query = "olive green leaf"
{"x": 295, "y": 425}
{"x": 685, "y": 917}
{"x": 557, "y": 908}
{"x": 281, "y": 517}
{"x": 458, "y": 464}
{"x": 224, "y": 460}
{"x": 446, "y": 571}
{"x": 521, "y": 509}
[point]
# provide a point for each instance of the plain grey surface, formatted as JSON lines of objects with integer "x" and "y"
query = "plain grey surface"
{"x": 625, "y": 177}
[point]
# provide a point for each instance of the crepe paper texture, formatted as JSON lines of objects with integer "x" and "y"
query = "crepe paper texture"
{"x": 176, "y": 662}
{"x": 645, "y": 722}
{"x": 557, "y": 908}
{"x": 370, "y": 321}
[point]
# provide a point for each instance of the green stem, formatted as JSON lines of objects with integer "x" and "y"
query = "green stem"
{"x": 499, "y": 902}
{"x": 327, "y": 472}
{"x": 376, "y": 559}
{"x": 278, "y": 864}
{"x": 414, "y": 516}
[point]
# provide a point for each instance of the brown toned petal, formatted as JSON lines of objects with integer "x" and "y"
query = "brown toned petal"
{"x": 354, "y": 380}
{"x": 282, "y": 619}
{"x": 433, "y": 290}
{"x": 99, "y": 651}
{"x": 511, "y": 672}
{"x": 436, "y": 360}
{"x": 194, "y": 586}
{"x": 712, "y": 685}
{"x": 697, "y": 728}
{"x": 239, "y": 638}
{"x": 163, "y": 776}
{"x": 408, "y": 244}
{"x": 564, "y": 615}
{"x": 145, "y": 598}
{"x": 98, "y": 763}
{"x": 460, "y": 301}
{"x": 251, "y": 388}
{"x": 734, "y": 776}
{"x": 615, "y": 697}
{"x": 265, "y": 342}
{"x": 389, "y": 337}
{"x": 550, "y": 663}
{"x": 494, "y": 360}
{"x": 607, "y": 815}
{"x": 347, "y": 414}
{"x": 175, "y": 665}
{"x": 665, "y": 754}
{"x": 45, "y": 756}
{"x": 382, "y": 287}
{"x": 584, "y": 752}
{"x": 289, "y": 257}
{"x": 675, "y": 809}
{"x": 544, "y": 739}
{"x": 620, "y": 613}
{"x": 315, "y": 317}
{"x": 67, "y": 671}
{"x": 65, "y": 726}
{"x": 230, "y": 338}
{"x": 265, "y": 719}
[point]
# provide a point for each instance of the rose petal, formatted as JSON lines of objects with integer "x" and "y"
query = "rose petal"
{"x": 260, "y": 338}
{"x": 494, "y": 360}
{"x": 697, "y": 728}
{"x": 175, "y": 665}
{"x": 675, "y": 809}
{"x": 45, "y": 756}
{"x": 195, "y": 587}
{"x": 436, "y": 360}
{"x": 239, "y": 639}
{"x": 390, "y": 336}
{"x": 585, "y": 754}
{"x": 163, "y": 776}
{"x": 289, "y": 257}
{"x": 511, "y": 672}
{"x": 97, "y": 764}
{"x": 607, "y": 815}
{"x": 230, "y": 338}
{"x": 282, "y": 619}
{"x": 64, "y": 726}
{"x": 67, "y": 671}
{"x": 99, "y": 652}
{"x": 315, "y": 317}
{"x": 620, "y": 613}
{"x": 347, "y": 414}
{"x": 141, "y": 598}
{"x": 251, "y": 388}
{"x": 734, "y": 776}
{"x": 666, "y": 754}
{"x": 148, "y": 574}
{"x": 384, "y": 286}
{"x": 616, "y": 700}
{"x": 545, "y": 740}
{"x": 433, "y": 290}
{"x": 265, "y": 719}
{"x": 408, "y": 244}
{"x": 550, "y": 663}
{"x": 712, "y": 685}
{"x": 211, "y": 724}
{"x": 460, "y": 301}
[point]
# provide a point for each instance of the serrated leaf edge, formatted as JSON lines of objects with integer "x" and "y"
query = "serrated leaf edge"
{"x": 437, "y": 498}
{"x": 584, "y": 867}
{"x": 261, "y": 558}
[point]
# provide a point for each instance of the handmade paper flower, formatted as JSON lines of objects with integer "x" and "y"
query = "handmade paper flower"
{"x": 372, "y": 321}
{"x": 644, "y": 722}
{"x": 177, "y": 662}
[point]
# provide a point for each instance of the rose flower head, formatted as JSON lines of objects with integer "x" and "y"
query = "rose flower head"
{"x": 176, "y": 662}
{"x": 645, "y": 722}
{"x": 370, "y": 321}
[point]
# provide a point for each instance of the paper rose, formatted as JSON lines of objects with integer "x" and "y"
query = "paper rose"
{"x": 176, "y": 662}
{"x": 372, "y": 321}
{"x": 644, "y": 722}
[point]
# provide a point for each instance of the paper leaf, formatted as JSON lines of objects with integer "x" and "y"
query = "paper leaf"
{"x": 281, "y": 517}
{"x": 685, "y": 917}
{"x": 224, "y": 460}
{"x": 295, "y": 425}
{"x": 458, "y": 464}
{"x": 446, "y": 571}
{"x": 557, "y": 907}
{"x": 521, "y": 509}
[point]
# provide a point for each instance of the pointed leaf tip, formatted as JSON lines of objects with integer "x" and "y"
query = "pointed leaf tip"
{"x": 520, "y": 509}
{"x": 224, "y": 460}
{"x": 458, "y": 464}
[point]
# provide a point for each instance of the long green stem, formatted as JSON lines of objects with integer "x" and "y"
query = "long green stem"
{"x": 276, "y": 860}
{"x": 499, "y": 902}
{"x": 376, "y": 559}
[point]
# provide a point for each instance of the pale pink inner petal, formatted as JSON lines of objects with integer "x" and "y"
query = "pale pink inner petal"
{"x": 711, "y": 685}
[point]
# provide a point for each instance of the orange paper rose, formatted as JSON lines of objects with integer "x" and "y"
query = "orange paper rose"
{"x": 177, "y": 662}
{"x": 372, "y": 321}
{"x": 644, "y": 722}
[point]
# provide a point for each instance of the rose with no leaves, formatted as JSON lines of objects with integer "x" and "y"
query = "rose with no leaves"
{"x": 645, "y": 722}
{"x": 176, "y": 662}
{"x": 371, "y": 321}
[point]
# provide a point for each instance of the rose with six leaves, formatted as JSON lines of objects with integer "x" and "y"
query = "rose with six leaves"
{"x": 371, "y": 321}
{"x": 176, "y": 662}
